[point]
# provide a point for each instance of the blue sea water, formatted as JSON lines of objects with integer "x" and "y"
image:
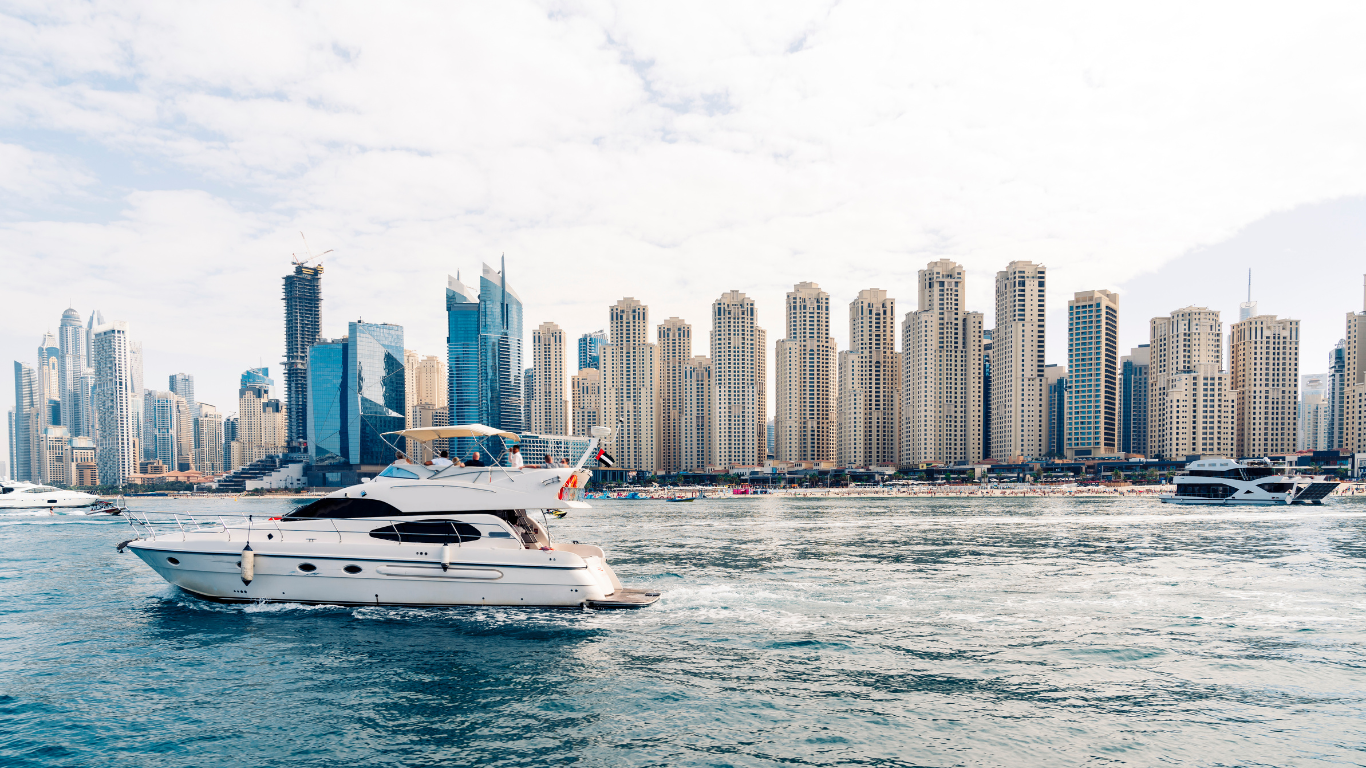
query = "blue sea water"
{"x": 831, "y": 632}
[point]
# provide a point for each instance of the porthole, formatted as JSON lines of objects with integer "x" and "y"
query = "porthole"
{"x": 270, "y": 535}
{"x": 307, "y": 567}
{"x": 352, "y": 569}
{"x": 172, "y": 561}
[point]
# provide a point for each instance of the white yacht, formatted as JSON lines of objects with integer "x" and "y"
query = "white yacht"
{"x": 415, "y": 535}
{"x": 17, "y": 494}
{"x": 1252, "y": 481}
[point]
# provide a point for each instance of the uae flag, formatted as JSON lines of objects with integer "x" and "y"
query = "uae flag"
{"x": 605, "y": 459}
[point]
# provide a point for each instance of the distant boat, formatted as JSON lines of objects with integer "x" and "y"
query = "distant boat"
{"x": 681, "y": 498}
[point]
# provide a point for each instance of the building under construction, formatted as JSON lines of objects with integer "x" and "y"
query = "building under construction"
{"x": 303, "y": 315}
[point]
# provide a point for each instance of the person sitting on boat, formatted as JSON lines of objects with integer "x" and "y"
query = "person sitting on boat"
{"x": 549, "y": 462}
{"x": 441, "y": 461}
{"x": 515, "y": 457}
{"x": 474, "y": 460}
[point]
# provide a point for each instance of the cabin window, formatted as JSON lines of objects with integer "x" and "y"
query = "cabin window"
{"x": 307, "y": 567}
{"x": 399, "y": 472}
{"x": 427, "y": 532}
{"x": 352, "y": 569}
{"x": 343, "y": 508}
{"x": 1206, "y": 490}
{"x": 499, "y": 535}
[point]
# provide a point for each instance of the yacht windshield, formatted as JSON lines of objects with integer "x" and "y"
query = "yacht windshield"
{"x": 343, "y": 508}
{"x": 399, "y": 472}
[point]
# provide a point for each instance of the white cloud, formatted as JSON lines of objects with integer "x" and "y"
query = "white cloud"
{"x": 666, "y": 152}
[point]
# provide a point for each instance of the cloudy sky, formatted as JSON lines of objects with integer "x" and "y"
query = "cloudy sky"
{"x": 158, "y": 161}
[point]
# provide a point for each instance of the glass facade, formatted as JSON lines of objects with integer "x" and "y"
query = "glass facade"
{"x": 589, "y": 344}
{"x": 375, "y": 390}
{"x": 484, "y": 355}
{"x": 327, "y": 419}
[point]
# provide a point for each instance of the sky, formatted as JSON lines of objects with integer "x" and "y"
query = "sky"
{"x": 158, "y": 161}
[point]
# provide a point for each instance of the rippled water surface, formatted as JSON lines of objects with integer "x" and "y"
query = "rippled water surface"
{"x": 1016, "y": 632}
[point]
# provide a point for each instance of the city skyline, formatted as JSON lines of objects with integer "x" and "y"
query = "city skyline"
{"x": 51, "y": 377}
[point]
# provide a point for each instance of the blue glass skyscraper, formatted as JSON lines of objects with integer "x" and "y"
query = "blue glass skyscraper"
{"x": 375, "y": 390}
{"x": 589, "y": 344}
{"x": 355, "y": 395}
{"x": 484, "y": 353}
{"x": 326, "y": 416}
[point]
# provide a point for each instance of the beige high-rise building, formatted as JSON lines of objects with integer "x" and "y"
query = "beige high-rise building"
{"x": 184, "y": 435}
{"x": 941, "y": 371}
{"x": 1018, "y": 399}
{"x": 1191, "y": 403}
{"x": 869, "y": 384}
{"x": 675, "y": 350}
{"x": 208, "y": 440}
{"x": 425, "y": 389}
{"x": 804, "y": 368}
{"x": 585, "y": 398}
{"x": 1264, "y": 360}
{"x": 739, "y": 357}
{"x": 630, "y": 387}
{"x": 1092, "y": 411}
{"x": 1353, "y": 413}
{"x": 699, "y": 414}
{"x": 549, "y": 409}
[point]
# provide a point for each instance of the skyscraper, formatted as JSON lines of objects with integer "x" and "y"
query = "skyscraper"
{"x": 585, "y": 394}
{"x": 303, "y": 295}
{"x": 1264, "y": 358}
{"x": 549, "y": 409}
{"x": 528, "y": 392}
{"x": 675, "y": 350}
{"x": 986, "y": 393}
{"x": 49, "y": 376}
{"x": 117, "y": 388}
{"x": 739, "y": 353}
{"x": 484, "y": 353}
{"x": 1055, "y": 385}
{"x": 75, "y": 358}
{"x": 1353, "y": 406}
{"x": 1191, "y": 401}
{"x": 630, "y": 386}
{"x": 941, "y": 376}
{"x": 1017, "y": 362}
{"x": 804, "y": 372}
{"x": 589, "y": 344}
{"x": 183, "y": 384}
{"x": 254, "y": 433}
{"x": 161, "y": 414}
{"x": 1133, "y": 401}
{"x": 425, "y": 390}
{"x": 1337, "y": 394}
{"x": 1313, "y": 413}
{"x": 698, "y": 427}
{"x": 375, "y": 391}
{"x": 869, "y": 382}
{"x": 329, "y": 427}
{"x": 26, "y": 414}
{"x": 208, "y": 440}
{"x": 1093, "y": 375}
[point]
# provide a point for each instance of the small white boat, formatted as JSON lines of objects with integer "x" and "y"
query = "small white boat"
{"x": 415, "y": 535}
{"x": 1257, "y": 482}
{"x": 16, "y": 494}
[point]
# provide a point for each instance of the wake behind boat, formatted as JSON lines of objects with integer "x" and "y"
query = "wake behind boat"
{"x": 416, "y": 535}
{"x": 1257, "y": 482}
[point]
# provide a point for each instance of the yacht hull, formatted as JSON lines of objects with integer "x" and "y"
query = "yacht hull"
{"x": 560, "y": 579}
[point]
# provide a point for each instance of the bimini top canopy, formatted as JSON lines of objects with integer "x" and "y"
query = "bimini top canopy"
{"x": 427, "y": 434}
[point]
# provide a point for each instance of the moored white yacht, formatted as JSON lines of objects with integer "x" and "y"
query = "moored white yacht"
{"x": 1252, "y": 481}
{"x": 17, "y": 494}
{"x": 415, "y": 535}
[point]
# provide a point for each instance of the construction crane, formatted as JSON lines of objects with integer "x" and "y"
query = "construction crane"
{"x": 311, "y": 256}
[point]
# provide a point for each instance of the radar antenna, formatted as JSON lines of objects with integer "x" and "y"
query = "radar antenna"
{"x": 299, "y": 261}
